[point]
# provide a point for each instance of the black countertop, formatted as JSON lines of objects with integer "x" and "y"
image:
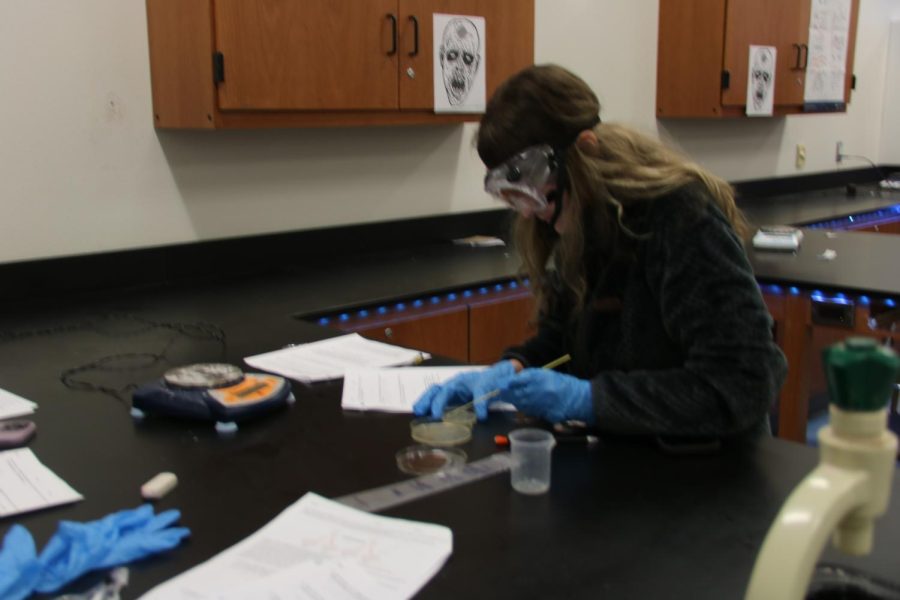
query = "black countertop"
{"x": 622, "y": 520}
{"x": 383, "y": 277}
{"x": 866, "y": 263}
{"x": 803, "y": 208}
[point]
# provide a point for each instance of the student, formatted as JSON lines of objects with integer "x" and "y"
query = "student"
{"x": 639, "y": 273}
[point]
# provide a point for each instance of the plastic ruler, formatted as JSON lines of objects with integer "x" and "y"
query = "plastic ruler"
{"x": 387, "y": 496}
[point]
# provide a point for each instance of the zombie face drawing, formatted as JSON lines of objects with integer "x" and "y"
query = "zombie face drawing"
{"x": 460, "y": 57}
{"x": 761, "y": 77}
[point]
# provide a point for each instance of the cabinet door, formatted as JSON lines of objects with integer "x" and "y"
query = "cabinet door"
{"x": 445, "y": 333}
{"x": 314, "y": 54}
{"x": 892, "y": 227}
{"x": 497, "y": 325}
{"x": 689, "y": 58}
{"x": 509, "y": 35}
{"x": 783, "y": 24}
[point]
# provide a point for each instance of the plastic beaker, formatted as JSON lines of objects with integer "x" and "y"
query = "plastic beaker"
{"x": 531, "y": 449}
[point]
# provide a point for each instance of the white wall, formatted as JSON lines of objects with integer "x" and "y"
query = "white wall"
{"x": 82, "y": 170}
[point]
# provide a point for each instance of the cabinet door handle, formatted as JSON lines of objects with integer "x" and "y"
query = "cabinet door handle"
{"x": 415, "y": 22}
{"x": 393, "y": 49}
{"x": 388, "y": 332}
{"x": 805, "y": 55}
{"x": 799, "y": 63}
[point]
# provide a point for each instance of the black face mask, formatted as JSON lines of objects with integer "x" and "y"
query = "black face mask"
{"x": 562, "y": 184}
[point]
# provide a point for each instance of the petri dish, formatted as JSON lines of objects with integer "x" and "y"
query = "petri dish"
{"x": 464, "y": 416}
{"x": 439, "y": 433}
{"x": 424, "y": 460}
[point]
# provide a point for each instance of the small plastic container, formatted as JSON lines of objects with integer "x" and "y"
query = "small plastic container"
{"x": 439, "y": 433}
{"x": 531, "y": 450}
{"x": 424, "y": 460}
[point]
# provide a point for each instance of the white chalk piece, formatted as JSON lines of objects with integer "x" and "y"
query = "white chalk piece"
{"x": 160, "y": 485}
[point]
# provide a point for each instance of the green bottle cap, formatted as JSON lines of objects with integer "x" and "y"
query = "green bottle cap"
{"x": 861, "y": 373}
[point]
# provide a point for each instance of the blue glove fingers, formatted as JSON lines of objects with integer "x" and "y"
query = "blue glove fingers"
{"x": 122, "y": 520}
{"x": 485, "y": 397}
{"x": 437, "y": 397}
{"x": 551, "y": 396}
{"x": 481, "y": 409}
{"x": 72, "y": 550}
{"x": 491, "y": 383}
{"x": 462, "y": 388}
{"x": 19, "y": 568}
{"x": 449, "y": 393}
{"x": 77, "y": 548}
{"x": 423, "y": 405}
{"x": 162, "y": 520}
{"x": 141, "y": 545}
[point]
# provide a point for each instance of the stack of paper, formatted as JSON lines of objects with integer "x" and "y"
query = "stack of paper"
{"x": 318, "y": 549}
{"x": 329, "y": 359}
{"x": 12, "y": 406}
{"x": 396, "y": 390}
{"x": 28, "y": 485}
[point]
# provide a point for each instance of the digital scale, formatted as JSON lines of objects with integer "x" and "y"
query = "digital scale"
{"x": 212, "y": 392}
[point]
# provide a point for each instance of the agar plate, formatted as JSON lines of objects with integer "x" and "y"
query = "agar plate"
{"x": 424, "y": 460}
{"x": 464, "y": 416}
{"x": 439, "y": 433}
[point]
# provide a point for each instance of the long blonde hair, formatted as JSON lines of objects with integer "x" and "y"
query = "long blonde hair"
{"x": 549, "y": 105}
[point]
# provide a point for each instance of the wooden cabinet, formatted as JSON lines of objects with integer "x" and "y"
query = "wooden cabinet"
{"x": 497, "y": 324}
{"x": 807, "y": 323}
{"x": 309, "y": 55}
{"x": 473, "y": 326}
{"x": 888, "y": 226}
{"x": 703, "y": 54}
{"x": 834, "y": 321}
{"x": 273, "y": 63}
{"x": 444, "y": 333}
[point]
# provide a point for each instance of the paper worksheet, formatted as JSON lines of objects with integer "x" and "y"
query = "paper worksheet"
{"x": 397, "y": 389}
{"x": 317, "y": 548}
{"x": 12, "y": 406}
{"x": 329, "y": 359}
{"x": 826, "y": 60}
{"x": 310, "y": 581}
{"x": 26, "y": 484}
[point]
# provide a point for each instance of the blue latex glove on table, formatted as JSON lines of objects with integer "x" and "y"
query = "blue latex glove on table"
{"x": 19, "y": 567}
{"x": 550, "y": 395}
{"x": 463, "y": 388}
{"x": 77, "y": 548}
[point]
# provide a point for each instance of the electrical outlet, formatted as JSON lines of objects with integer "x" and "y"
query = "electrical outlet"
{"x": 800, "y": 157}
{"x": 839, "y": 152}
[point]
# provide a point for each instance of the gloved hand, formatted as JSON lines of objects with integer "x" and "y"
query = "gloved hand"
{"x": 19, "y": 567}
{"x": 463, "y": 388}
{"x": 550, "y": 395}
{"x": 116, "y": 539}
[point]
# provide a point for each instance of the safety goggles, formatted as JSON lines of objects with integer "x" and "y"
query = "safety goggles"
{"x": 522, "y": 180}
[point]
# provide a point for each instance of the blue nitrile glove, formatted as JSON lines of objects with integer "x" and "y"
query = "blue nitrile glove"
{"x": 116, "y": 539}
{"x": 463, "y": 388}
{"x": 550, "y": 395}
{"x": 19, "y": 567}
